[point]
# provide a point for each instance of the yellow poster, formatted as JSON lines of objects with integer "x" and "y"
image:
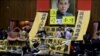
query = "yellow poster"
{"x": 39, "y": 22}
{"x": 68, "y": 20}
{"x": 3, "y": 45}
{"x": 59, "y": 45}
{"x": 53, "y": 12}
{"x": 53, "y": 20}
{"x": 81, "y": 24}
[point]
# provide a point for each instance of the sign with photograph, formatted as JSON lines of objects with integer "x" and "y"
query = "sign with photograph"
{"x": 63, "y": 11}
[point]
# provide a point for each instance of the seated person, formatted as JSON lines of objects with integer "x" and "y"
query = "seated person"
{"x": 13, "y": 35}
{"x": 68, "y": 34}
{"x": 41, "y": 33}
{"x": 35, "y": 47}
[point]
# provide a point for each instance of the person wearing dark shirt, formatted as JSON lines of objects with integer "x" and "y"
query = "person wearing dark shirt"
{"x": 35, "y": 47}
{"x": 1, "y": 34}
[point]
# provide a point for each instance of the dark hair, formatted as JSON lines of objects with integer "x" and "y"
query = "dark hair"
{"x": 98, "y": 33}
{"x": 70, "y": 30}
{"x": 98, "y": 26}
{"x": 36, "y": 44}
{"x": 68, "y": 1}
{"x": 17, "y": 30}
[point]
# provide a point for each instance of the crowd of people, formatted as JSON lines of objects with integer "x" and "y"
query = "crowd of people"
{"x": 87, "y": 46}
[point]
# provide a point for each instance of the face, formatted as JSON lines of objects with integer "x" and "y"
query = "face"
{"x": 63, "y": 5}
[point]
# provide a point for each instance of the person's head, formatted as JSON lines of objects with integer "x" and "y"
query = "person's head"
{"x": 63, "y": 5}
{"x": 70, "y": 30}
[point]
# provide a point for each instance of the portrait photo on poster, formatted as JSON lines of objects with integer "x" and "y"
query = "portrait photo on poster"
{"x": 62, "y": 10}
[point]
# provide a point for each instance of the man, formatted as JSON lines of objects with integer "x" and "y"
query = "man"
{"x": 63, "y": 6}
{"x": 41, "y": 33}
{"x": 68, "y": 33}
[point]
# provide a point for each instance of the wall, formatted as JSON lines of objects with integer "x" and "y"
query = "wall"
{"x": 16, "y": 10}
{"x": 95, "y": 15}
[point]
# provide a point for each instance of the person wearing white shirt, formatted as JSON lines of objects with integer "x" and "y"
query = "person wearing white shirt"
{"x": 68, "y": 34}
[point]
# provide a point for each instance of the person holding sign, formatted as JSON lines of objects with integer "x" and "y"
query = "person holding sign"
{"x": 63, "y": 6}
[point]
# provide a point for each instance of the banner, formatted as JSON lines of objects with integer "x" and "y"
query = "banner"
{"x": 39, "y": 22}
{"x": 83, "y": 18}
{"x": 59, "y": 45}
{"x": 3, "y": 45}
{"x": 81, "y": 24}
